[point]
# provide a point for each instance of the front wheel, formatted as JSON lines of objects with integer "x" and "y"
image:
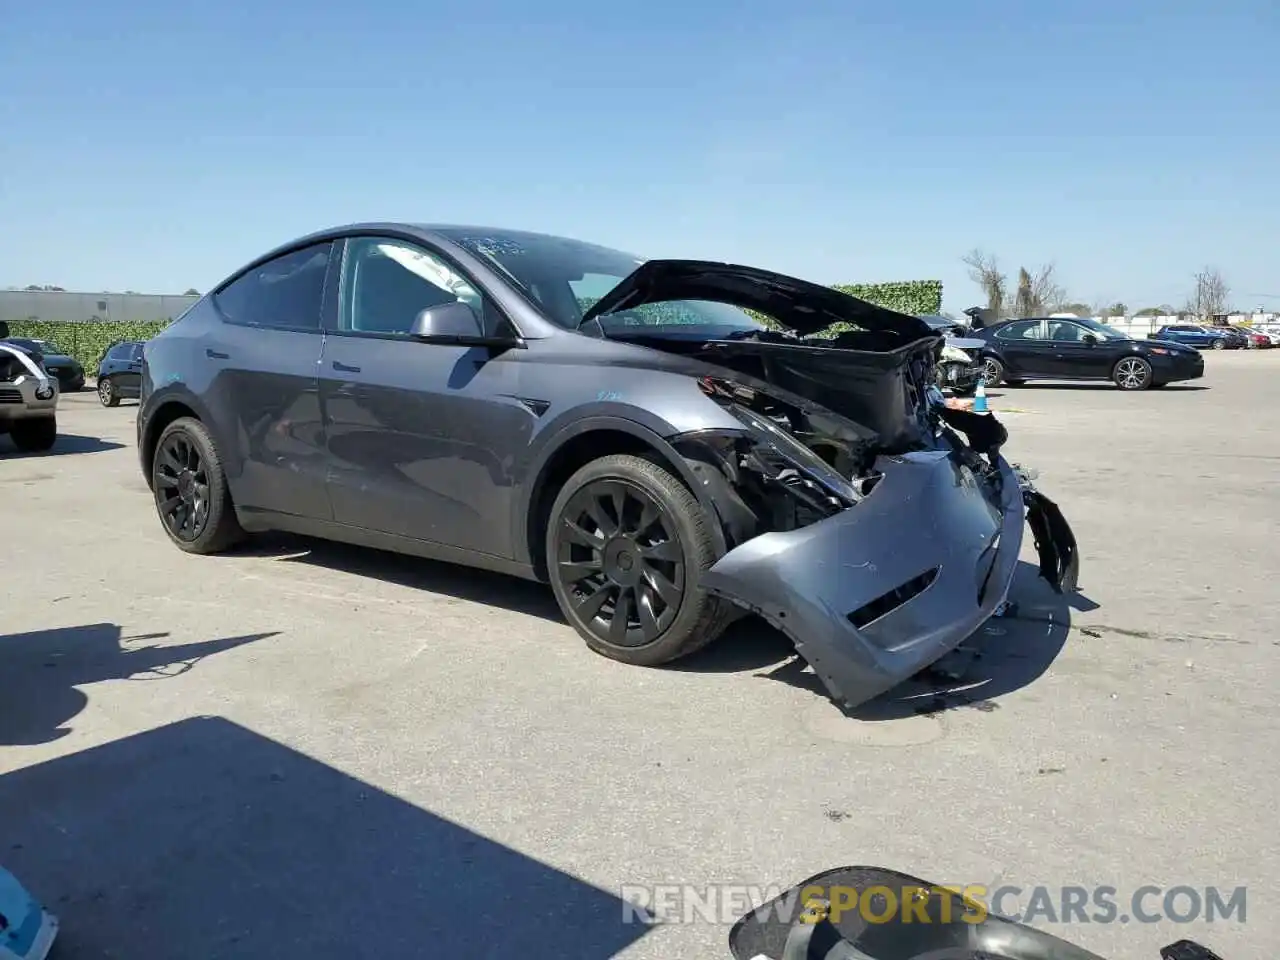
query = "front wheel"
{"x": 1132, "y": 373}
{"x": 107, "y": 393}
{"x": 35, "y": 435}
{"x": 992, "y": 371}
{"x": 1219, "y": 344}
{"x": 191, "y": 493}
{"x": 626, "y": 546}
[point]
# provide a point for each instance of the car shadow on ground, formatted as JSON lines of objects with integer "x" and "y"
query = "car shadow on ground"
{"x": 205, "y": 839}
{"x": 433, "y": 576}
{"x": 41, "y": 672}
{"x": 66, "y": 443}
{"x": 1006, "y": 654}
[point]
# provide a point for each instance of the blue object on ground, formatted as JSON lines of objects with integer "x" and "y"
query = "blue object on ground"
{"x": 27, "y": 929}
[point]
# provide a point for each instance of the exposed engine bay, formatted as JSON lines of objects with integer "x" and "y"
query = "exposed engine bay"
{"x": 805, "y": 461}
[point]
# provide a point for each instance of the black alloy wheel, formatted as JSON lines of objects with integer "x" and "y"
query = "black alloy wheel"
{"x": 620, "y": 559}
{"x": 182, "y": 487}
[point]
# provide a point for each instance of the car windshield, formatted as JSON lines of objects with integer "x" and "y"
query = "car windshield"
{"x": 1102, "y": 330}
{"x": 566, "y": 277}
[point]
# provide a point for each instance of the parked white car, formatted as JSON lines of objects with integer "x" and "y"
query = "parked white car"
{"x": 28, "y": 401}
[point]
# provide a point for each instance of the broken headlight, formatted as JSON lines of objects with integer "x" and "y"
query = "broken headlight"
{"x": 768, "y": 433}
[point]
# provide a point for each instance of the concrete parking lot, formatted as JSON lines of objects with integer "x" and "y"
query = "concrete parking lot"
{"x": 309, "y": 750}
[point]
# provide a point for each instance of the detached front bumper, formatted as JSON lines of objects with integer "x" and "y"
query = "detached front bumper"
{"x": 882, "y": 590}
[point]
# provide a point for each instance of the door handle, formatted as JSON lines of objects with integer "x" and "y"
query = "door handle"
{"x": 344, "y": 368}
{"x": 215, "y": 355}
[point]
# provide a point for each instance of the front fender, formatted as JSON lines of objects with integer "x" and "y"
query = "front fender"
{"x": 644, "y": 426}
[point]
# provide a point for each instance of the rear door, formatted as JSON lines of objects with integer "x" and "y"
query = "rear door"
{"x": 262, "y": 362}
{"x": 1025, "y": 349}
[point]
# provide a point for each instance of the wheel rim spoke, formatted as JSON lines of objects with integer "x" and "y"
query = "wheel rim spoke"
{"x": 595, "y": 510}
{"x": 664, "y": 588}
{"x": 576, "y": 534}
{"x": 621, "y": 616}
{"x": 666, "y": 551}
{"x": 650, "y": 629}
{"x": 575, "y": 571}
{"x": 588, "y": 607}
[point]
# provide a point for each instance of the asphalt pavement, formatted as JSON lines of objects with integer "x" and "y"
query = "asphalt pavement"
{"x": 302, "y": 749}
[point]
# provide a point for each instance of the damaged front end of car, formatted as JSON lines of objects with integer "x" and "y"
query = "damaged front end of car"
{"x": 874, "y": 524}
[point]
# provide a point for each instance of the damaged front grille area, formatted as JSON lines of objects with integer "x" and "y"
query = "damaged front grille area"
{"x": 886, "y": 603}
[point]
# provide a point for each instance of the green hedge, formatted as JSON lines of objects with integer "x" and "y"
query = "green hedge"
{"x": 915, "y": 297}
{"x": 87, "y": 342}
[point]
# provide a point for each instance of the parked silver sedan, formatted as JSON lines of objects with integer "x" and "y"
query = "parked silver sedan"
{"x": 28, "y": 401}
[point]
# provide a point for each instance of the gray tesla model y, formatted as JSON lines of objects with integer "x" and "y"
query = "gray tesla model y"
{"x": 629, "y": 431}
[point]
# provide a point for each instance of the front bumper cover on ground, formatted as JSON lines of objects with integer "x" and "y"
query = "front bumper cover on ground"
{"x": 883, "y": 589}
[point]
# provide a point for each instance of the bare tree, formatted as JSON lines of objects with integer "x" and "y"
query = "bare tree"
{"x": 1037, "y": 292}
{"x": 1024, "y": 299}
{"x": 985, "y": 272}
{"x": 1209, "y": 297}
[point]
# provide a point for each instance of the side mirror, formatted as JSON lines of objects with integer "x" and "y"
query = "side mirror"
{"x": 1090, "y": 339}
{"x": 449, "y": 320}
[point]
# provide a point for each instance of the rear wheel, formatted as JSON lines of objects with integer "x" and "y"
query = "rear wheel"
{"x": 107, "y": 393}
{"x": 34, "y": 435}
{"x": 992, "y": 371}
{"x": 191, "y": 493}
{"x": 626, "y": 547}
{"x": 1219, "y": 344}
{"x": 1132, "y": 373}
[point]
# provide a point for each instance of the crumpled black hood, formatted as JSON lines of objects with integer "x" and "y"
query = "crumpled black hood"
{"x": 801, "y": 306}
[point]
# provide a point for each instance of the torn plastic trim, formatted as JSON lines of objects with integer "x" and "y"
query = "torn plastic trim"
{"x": 805, "y": 582}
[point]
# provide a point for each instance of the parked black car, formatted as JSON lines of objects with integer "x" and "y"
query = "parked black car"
{"x": 1057, "y": 348}
{"x": 65, "y": 368}
{"x": 120, "y": 373}
{"x": 620, "y": 428}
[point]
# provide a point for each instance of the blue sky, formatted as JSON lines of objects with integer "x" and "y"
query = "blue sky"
{"x": 158, "y": 145}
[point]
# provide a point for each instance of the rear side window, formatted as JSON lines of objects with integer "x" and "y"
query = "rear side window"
{"x": 284, "y": 293}
{"x": 1022, "y": 330}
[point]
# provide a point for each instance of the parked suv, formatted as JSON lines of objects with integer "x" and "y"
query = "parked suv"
{"x": 120, "y": 373}
{"x": 1195, "y": 335}
{"x": 28, "y": 400}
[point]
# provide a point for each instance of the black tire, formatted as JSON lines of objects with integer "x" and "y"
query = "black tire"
{"x": 192, "y": 498}
{"x": 1219, "y": 344}
{"x": 108, "y": 395}
{"x": 1131, "y": 373}
{"x": 992, "y": 371}
{"x": 656, "y": 565}
{"x": 34, "y": 435}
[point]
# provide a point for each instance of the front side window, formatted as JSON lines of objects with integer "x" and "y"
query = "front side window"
{"x": 1064, "y": 332}
{"x": 1022, "y": 330}
{"x": 121, "y": 351}
{"x": 387, "y": 283}
{"x": 285, "y": 293}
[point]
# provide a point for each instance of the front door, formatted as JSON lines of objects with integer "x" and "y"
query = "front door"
{"x": 1074, "y": 357}
{"x": 420, "y": 436}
